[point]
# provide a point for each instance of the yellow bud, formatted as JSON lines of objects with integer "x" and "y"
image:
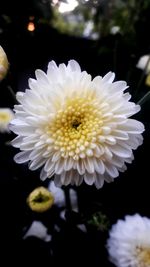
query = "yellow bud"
{"x": 6, "y": 115}
{"x": 40, "y": 199}
{"x": 147, "y": 81}
{"x": 4, "y": 65}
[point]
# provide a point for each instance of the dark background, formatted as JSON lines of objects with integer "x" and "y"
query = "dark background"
{"x": 129, "y": 194}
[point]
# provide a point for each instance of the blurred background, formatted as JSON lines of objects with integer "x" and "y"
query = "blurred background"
{"x": 102, "y": 35}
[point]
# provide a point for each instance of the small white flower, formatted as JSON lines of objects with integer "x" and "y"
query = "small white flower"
{"x": 114, "y": 30}
{"x": 144, "y": 63}
{"x": 76, "y": 128}
{"x": 38, "y": 230}
{"x": 4, "y": 65}
{"x": 59, "y": 196}
{"x": 58, "y": 193}
{"x": 129, "y": 242}
{"x": 6, "y": 115}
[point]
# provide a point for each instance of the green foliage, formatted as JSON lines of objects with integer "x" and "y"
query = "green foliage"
{"x": 99, "y": 221}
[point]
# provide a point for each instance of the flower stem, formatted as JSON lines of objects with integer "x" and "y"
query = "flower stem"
{"x": 67, "y": 196}
{"x": 144, "y": 98}
{"x": 12, "y": 93}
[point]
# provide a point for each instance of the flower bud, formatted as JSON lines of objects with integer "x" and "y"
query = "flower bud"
{"x": 4, "y": 65}
{"x": 40, "y": 199}
{"x": 6, "y": 116}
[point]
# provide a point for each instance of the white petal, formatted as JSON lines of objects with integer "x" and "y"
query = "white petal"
{"x": 111, "y": 170}
{"x": 22, "y": 157}
{"x": 37, "y": 163}
{"x": 108, "y": 178}
{"x": 36, "y": 153}
{"x": 109, "y": 77}
{"x": 19, "y": 96}
{"x": 98, "y": 151}
{"x": 59, "y": 166}
{"x": 17, "y": 141}
{"x": 99, "y": 182}
{"x": 68, "y": 178}
{"x": 48, "y": 165}
{"x": 118, "y": 134}
{"x": 52, "y": 65}
{"x": 43, "y": 175}
{"x": 132, "y": 126}
{"x": 57, "y": 180}
{"x": 56, "y": 156}
{"x": 62, "y": 177}
{"x": 32, "y": 84}
{"x": 89, "y": 165}
{"x": 89, "y": 178}
{"x": 110, "y": 140}
{"x": 22, "y": 130}
{"x": 80, "y": 167}
{"x": 117, "y": 161}
{"x": 119, "y": 86}
{"x": 76, "y": 179}
{"x": 121, "y": 151}
{"x": 99, "y": 166}
{"x": 27, "y": 145}
{"x": 62, "y": 68}
{"x": 74, "y": 66}
{"x": 42, "y": 77}
{"x": 68, "y": 164}
{"x": 97, "y": 80}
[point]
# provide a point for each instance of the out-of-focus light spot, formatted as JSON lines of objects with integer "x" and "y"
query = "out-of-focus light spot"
{"x": 54, "y": 2}
{"x": 70, "y": 5}
{"x": 31, "y": 18}
{"x": 31, "y": 26}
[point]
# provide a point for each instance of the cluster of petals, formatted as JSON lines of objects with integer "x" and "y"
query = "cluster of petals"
{"x": 76, "y": 128}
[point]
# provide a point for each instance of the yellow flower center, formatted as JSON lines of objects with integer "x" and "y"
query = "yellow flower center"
{"x": 76, "y": 127}
{"x": 143, "y": 255}
{"x": 4, "y": 117}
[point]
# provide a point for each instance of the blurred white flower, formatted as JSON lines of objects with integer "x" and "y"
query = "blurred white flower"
{"x": 59, "y": 196}
{"x": 114, "y": 30}
{"x": 4, "y": 65}
{"x": 6, "y": 115}
{"x": 89, "y": 26}
{"x": 129, "y": 242}
{"x": 67, "y": 6}
{"x": 58, "y": 193}
{"x": 144, "y": 63}
{"x": 38, "y": 230}
{"x": 76, "y": 128}
{"x": 89, "y": 31}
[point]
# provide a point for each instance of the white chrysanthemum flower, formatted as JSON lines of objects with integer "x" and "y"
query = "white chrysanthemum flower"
{"x": 74, "y": 127}
{"x": 129, "y": 242}
{"x": 6, "y": 115}
{"x": 144, "y": 63}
